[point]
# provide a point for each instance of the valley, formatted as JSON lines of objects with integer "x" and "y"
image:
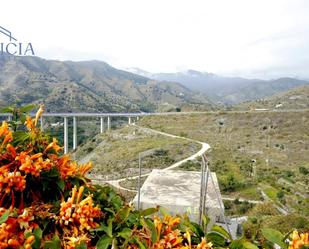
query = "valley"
{"x": 259, "y": 147}
{"x": 260, "y": 158}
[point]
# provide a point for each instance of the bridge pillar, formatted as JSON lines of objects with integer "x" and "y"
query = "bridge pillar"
{"x": 65, "y": 134}
{"x": 129, "y": 120}
{"x": 108, "y": 123}
{"x": 74, "y": 133}
{"x": 102, "y": 124}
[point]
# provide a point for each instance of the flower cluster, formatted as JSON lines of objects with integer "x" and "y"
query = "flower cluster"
{"x": 299, "y": 240}
{"x": 169, "y": 236}
{"x": 26, "y": 158}
{"x": 11, "y": 181}
{"x": 79, "y": 213}
{"x": 68, "y": 168}
{"x": 77, "y": 217}
{"x": 13, "y": 230}
{"x": 5, "y": 134}
{"x": 172, "y": 237}
{"x": 36, "y": 154}
{"x": 75, "y": 241}
{"x": 33, "y": 164}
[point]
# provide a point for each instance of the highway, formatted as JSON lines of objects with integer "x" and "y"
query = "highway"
{"x": 141, "y": 114}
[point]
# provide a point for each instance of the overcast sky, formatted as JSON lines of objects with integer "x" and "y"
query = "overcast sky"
{"x": 249, "y": 38}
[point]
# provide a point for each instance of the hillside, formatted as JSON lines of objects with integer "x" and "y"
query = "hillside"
{"x": 251, "y": 152}
{"x": 92, "y": 86}
{"x": 296, "y": 98}
{"x": 115, "y": 153}
{"x": 227, "y": 90}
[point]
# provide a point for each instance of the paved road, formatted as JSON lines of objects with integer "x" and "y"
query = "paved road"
{"x": 266, "y": 198}
{"x": 205, "y": 147}
{"x": 241, "y": 200}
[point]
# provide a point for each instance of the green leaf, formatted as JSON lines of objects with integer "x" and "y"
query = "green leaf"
{"x": 148, "y": 211}
{"x": 116, "y": 201}
{"x": 37, "y": 232}
{"x": 27, "y": 108}
{"x": 123, "y": 214}
{"x": 4, "y": 216}
{"x": 216, "y": 238}
{"x": 20, "y": 137}
{"x": 140, "y": 244}
{"x": 153, "y": 230}
{"x": 61, "y": 184}
{"x": 274, "y": 236}
{"x": 8, "y": 109}
{"x": 236, "y": 244}
{"x": 104, "y": 242}
{"x": 53, "y": 244}
{"x": 125, "y": 233}
{"x": 110, "y": 211}
{"x": 205, "y": 221}
{"x": 194, "y": 227}
{"x": 134, "y": 218}
{"x": 82, "y": 245}
{"x": 107, "y": 229}
{"x": 249, "y": 245}
{"x": 222, "y": 231}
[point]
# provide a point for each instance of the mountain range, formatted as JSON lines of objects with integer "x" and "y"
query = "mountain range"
{"x": 89, "y": 86}
{"x": 226, "y": 90}
{"x": 95, "y": 86}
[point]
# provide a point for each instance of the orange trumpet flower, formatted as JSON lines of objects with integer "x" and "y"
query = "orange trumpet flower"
{"x": 29, "y": 123}
{"x": 38, "y": 114}
{"x": 53, "y": 145}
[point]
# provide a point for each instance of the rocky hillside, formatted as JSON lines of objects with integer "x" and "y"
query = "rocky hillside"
{"x": 92, "y": 86}
{"x": 296, "y": 98}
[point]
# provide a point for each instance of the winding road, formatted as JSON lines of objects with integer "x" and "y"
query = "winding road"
{"x": 205, "y": 147}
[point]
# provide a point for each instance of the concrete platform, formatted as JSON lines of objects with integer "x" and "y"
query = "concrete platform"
{"x": 179, "y": 192}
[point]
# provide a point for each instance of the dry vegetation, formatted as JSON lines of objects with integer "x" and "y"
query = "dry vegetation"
{"x": 252, "y": 151}
{"x": 115, "y": 153}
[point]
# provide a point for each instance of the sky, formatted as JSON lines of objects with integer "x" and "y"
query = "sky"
{"x": 247, "y": 38}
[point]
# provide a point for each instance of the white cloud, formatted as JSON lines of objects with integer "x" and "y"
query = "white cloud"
{"x": 239, "y": 37}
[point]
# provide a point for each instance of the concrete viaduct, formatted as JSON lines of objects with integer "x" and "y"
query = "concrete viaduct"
{"x": 108, "y": 117}
{"x": 74, "y": 116}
